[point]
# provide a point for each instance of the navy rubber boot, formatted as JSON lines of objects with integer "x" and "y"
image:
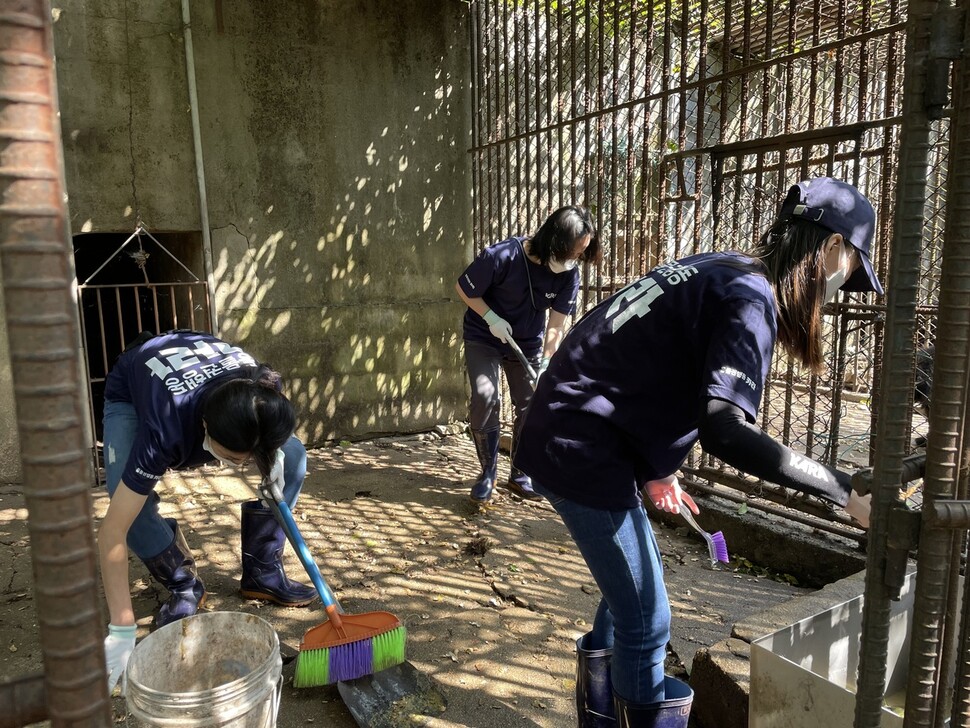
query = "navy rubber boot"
{"x": 174, "y": 569}
{"x": 486, "y": 443}
{"x": 594, "y": 689}
{"x": 262, "y": 561}
{"x": 519, "y": 483}
{"x": 671, "y": 712}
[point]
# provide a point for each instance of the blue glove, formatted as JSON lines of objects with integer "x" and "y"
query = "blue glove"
{"x": 118, "y": 646}
{"x": 500, "y": 328}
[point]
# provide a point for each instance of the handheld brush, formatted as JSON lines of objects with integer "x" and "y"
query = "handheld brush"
{"x": 716, "y": 545}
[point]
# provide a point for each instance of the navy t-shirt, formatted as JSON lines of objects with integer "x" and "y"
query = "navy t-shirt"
{"x": 620, "y": 402}
{"x": 501, "y": 274}
{"x": 166, "y": 380}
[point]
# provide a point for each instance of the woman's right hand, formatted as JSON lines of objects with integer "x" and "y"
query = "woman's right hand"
{"x": 859, "y": 507}
{"x": 124, "y": 507}
{"x": 500, "y": 328}
{"x": 667, "y": 495}
{"x": 118, "y": 646}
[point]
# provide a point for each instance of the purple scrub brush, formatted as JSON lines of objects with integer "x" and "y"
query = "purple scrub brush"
{"x": 716, "y": 545}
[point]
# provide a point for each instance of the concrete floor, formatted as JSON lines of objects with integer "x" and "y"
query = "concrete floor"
{"x": 493, "y": 599}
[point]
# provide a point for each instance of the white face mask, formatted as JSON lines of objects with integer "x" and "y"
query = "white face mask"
{"x": 561, "y": 266}
{"x": 835, "y": 281}
{"x": 207, "y": 446}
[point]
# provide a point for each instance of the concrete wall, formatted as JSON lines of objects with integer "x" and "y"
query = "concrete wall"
{"x": 334, "y": 140}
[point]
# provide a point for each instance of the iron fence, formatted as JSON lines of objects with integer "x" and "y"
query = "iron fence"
{"x": 681, "y": 124}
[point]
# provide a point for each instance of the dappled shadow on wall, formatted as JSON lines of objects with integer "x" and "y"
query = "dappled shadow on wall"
{"x": 361, "y": 318}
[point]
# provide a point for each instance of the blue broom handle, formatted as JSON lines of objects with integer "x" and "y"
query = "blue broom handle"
{"x": 299, "y": 545}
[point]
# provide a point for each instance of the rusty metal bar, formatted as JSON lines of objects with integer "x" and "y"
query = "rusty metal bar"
{"x": 137, "y": 301}
{"x": 43, "y": 332}
{"x": 736, "y": 495}
{"x": 175, "y": 313}
{"x": 933, "y": 623}
{"x": 891, "y": 438}
{"x": 515, "y": 196}
{"x": 476, "y": 88}
{"x": 104, "y": 347}
{"x": 886, "y": 31}
{"x": 121, "y": 322}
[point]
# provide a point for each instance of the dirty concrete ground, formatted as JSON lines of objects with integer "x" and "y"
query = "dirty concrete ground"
{"x": 493, "y": 599}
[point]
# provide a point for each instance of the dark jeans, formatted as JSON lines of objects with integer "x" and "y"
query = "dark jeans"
{"x": 484, "y": 363}
{"x": 634, "y": 616}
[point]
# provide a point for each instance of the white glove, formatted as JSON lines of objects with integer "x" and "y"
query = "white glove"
{"x": 275, "y": 478}
{"x": 500, "y": 328}
{"x": 117, "y": 649}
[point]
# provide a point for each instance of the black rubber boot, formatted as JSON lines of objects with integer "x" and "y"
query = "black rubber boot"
{"x": 174, "y": 569}
{"x": 671, "y": 712}
{"x": 519, "y": 483}
{"x": 262, "y": 561}
{"x": 486, "y": 443}
{"x": 594, "y": 690}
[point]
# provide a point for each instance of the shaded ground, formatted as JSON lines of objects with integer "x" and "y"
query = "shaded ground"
{"x": 493, "y": 600}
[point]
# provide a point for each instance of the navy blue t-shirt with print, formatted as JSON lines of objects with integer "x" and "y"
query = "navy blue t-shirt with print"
{"x": 620, "y": 402}
{"x": 503, "y": 275}
{"x": 166, "y": 380}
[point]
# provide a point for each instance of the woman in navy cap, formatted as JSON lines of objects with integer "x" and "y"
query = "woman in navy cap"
{"x": 177, "y": 401}
{"x": 509, "y": 288}
{"x": 678, "y": 356}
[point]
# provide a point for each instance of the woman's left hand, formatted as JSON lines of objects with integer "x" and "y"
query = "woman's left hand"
{"x": 275, "y": 480}
{"x": 667, "y": 495}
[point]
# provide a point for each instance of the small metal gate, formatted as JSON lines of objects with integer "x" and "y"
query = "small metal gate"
{"x": 115, "y": 309}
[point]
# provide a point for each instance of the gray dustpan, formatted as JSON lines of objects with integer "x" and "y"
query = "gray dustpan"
{"x": 397, "y": 697}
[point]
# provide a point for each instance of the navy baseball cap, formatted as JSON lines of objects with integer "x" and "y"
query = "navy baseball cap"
{"x": 841, "y": 208}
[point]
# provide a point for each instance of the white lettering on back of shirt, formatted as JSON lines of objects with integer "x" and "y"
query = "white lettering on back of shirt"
{"x": 176, "y": 365}
{"x": 640, "y": 295}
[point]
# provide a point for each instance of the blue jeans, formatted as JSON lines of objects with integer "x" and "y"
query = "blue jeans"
{"x": 149, "y": 534}
{"x": 633, "y": 617}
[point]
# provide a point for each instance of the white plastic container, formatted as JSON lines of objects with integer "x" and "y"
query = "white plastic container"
{"x": 803, "y": 676}
{"x": 212, "y": 670}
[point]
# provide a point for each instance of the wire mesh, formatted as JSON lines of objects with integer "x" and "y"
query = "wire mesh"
{"x": 681, "y": 124}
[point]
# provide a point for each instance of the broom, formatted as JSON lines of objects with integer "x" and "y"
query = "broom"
{"x": 346, "y": 646}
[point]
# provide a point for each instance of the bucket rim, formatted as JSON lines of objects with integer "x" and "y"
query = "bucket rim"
{"x": 191, "y": 698}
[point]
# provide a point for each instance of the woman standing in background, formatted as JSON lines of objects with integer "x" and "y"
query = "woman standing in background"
{"x": 508, "y": 289}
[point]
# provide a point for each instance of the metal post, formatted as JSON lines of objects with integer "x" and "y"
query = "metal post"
{"x": 35, "y": 256}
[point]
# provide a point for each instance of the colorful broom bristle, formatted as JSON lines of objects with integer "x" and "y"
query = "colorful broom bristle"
{"x": 720, "y": 547}
{"x": 327, "y": 665}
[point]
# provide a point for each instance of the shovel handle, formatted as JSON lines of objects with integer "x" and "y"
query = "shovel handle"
{"x": 285, "y": 517}
{"x": 533, "y": 377}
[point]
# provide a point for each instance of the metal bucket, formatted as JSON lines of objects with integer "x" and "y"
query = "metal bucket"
{"x": 211, "y": 670}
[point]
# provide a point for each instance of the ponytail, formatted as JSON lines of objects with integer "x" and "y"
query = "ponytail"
{"x": 251, "y": 415}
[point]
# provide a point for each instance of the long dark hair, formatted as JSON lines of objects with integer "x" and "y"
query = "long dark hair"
{"x": 792, "y": 252}
{"x": 251, "y": 415}
{"x": 558, "y": 235}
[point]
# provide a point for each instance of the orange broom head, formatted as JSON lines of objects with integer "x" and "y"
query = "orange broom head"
{"x": 353, "y": 628}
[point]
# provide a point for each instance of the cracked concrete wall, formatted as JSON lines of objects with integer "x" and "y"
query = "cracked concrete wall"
{"x": 335, "y": 141}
